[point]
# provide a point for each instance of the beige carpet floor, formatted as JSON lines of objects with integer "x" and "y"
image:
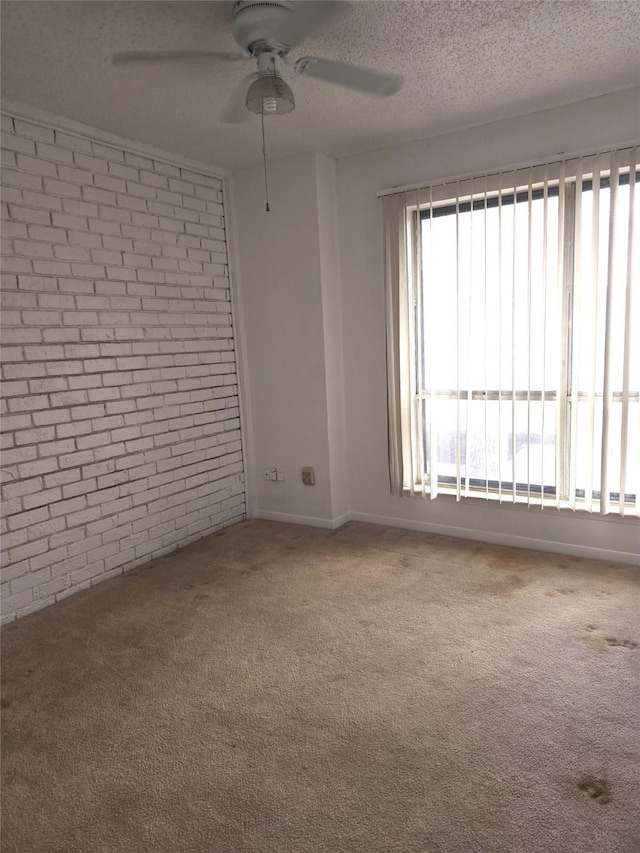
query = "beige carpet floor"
{"x": 280, "y": 689}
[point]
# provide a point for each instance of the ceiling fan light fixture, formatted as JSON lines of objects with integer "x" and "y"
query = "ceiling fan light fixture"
{"x": 270, "y": 95}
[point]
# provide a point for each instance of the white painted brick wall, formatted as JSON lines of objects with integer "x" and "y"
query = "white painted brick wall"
{"x": 120, "y": 418}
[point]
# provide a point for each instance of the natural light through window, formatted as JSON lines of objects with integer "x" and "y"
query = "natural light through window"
{"x": 517, "y": 368}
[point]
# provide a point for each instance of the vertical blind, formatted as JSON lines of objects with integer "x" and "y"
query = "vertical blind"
{"x": 513, "y": 336}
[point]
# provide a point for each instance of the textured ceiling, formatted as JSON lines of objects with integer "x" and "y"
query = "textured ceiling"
{"x": 465, "y": 63}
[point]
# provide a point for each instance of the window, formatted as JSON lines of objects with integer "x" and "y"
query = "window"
{"x": 514, "y": 369}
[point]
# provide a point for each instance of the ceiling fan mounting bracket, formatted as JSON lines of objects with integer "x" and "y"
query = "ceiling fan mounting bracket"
{"x": 256, "y": 25}
{"x": 260, "y": 48}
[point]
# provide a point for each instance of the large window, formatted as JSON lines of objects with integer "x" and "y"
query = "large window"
{"x": 514, "y": 360}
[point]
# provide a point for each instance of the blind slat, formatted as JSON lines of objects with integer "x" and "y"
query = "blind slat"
{"x": 535, "y": 301}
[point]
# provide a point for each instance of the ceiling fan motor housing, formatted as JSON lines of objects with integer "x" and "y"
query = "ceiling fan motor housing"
{"x": 256, "y": 24}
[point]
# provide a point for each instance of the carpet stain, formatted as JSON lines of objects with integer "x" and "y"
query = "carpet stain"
{"x": 255, "y": 567}
{"x": 5, "y": 702}
{"x": 627, "y": 644}
{"x": 553, "y": 593}
{"x": 502, "y": 587}
{"x": 596, "y": 789}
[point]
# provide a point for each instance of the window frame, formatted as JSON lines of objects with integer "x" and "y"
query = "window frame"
{"x": 566, "y": 396}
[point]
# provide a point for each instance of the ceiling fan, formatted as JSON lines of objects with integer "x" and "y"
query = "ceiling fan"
{"x": 267, "y": 32}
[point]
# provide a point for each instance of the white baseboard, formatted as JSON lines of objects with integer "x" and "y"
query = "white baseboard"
{"x": 568, "y": 548}
{"x": 289, "y": 518}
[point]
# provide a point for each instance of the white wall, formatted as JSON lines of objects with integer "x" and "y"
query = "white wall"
{"x": 315, "y": 329}
{"x": 596, "y": 124}
{"x": 329, "y": 245}
{"x": 121, "y": 434}
{"x": 279, "y": 260}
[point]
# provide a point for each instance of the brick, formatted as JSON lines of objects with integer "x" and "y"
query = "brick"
{"x": 74, "y": 207}
{"x": 80, "y": 487}
{"x": 128, "y": 173}
{"x": 131, "y": 202}
{"x": 74, "y": 143}
{"x": 76, "y": 285}
{"x": 153, "y": 179}
{"x": 14, "y": 229}
{"x": 95, "y": 410}
{"x": 68, "y": 506}
{"x": 76, "y": 176}
{"x": 138, "y": 161}
{"x": 64, "y": 368}
{"x": 41, "y": 200}
{"x": 140, "y": 190}
{"x": 62, "y": 188}
{"x": 69, "y": 430}
{"x": 33, "y": 579}
{"x": 79, "y": 238}
{"x": 71, "y": 253}
{"x": 88, "y": 303}
{"x": 99, "y": 226}
{"x": 42, "y": 498}
{"x": 98, "y": 196}
{"x": 92, "y": 164}
{"x": 30, "y": 214}
{"x": 54, "y": 153}
{"x": 12, "y": 142}
{"x": 11, "y": 604}
{"x": 25, "y": 519}
{"x": 41, "y": 318}
{"x": 34, "y": 436}
{"x": 57, "y": 585}
{"x": 47, "y": 353}
{"x": 33, "y": 250}
{"x": 102, "y": 256}
{"x": 66, "y": 220}
{"x": 16, "y": 265}
{"x": 38, "y": 167}
{"x": 28, "y": 404}
{"x": 51, "y": 416}
{"x": 80, "y": 318}
{"x": 118, "y": 244}
{"x": 52, "y": 268}
{"x": 69, "y": 398}
{"x": 55, "y": 448}
{"x": 22, "y": 180}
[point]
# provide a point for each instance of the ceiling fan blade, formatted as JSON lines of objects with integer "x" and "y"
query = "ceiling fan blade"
{"x": 173, "y": 55}
{"x": 307, "y": 16}
{"x": 235, "y": 111}
{"x": 368, "y": 80}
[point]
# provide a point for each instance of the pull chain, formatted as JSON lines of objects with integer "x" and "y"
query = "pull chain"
{"x": 264, "y": 158}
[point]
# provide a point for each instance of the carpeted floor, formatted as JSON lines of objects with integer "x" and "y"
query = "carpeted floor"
{"x": 280, "y": 689}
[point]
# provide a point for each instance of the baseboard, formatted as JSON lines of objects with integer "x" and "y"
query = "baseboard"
{"x": 568, "y": 548}
{"x": 289, "y": 518}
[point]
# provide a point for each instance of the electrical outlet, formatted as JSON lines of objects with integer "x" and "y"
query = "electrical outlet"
{"x": 308, "y": 476}
{"x": 280, "y": 476}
